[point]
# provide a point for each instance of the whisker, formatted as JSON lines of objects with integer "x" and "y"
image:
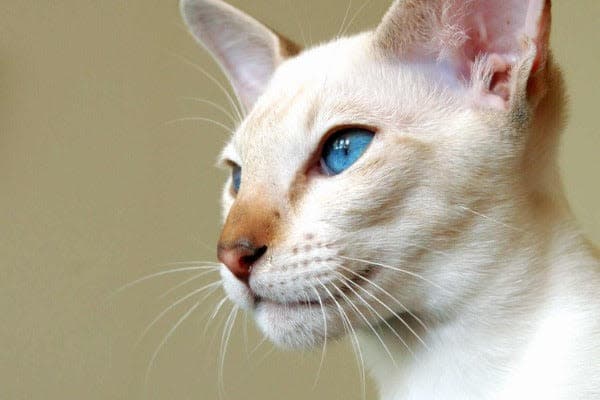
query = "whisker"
{"x": 214, "y": 287}
{"x": 362, "y": 316}
{"x": 267, "y": 354}
{"x": 166, "y": 338}
{"x": 295, "y": 13}
{"x": 262, "y": 341}
{"x": 323, "y": 350}
{"x": 185, "y": 282}
{"x": 214, "y": 313}
{"x": 310, "y": 31}
{"x": 514, "y": 228}
{"x": 245, "y": 330}
{"x": 434, "y": 251}
{"x": 406, "y": 309}
{"x": 354, "y": 16}
{"x": 210, "y": 318}
{"x": 194, "y": 262}
{"x": 385, "y": 322}
{"x": 344, "y": 20}
{"x": 353, "y": 338}
{"x": 201, "y": 119}
{"x": 238, "y": 108}
{"x": 161, "y": 273}
{"x": 215, "y": 105}
{"x": 223, "y": 348}
{"x": 413, "y": 274}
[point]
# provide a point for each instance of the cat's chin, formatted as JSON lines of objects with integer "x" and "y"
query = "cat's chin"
{"x": 290, "y": 326}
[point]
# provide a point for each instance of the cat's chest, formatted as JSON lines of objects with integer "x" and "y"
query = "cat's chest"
{"x": 440, "y": 377}
{"x": 541, "y": 366}
{"x": 478, "y": 381}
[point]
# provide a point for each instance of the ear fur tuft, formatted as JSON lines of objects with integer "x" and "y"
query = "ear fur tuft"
{"x": 482, "y": 42}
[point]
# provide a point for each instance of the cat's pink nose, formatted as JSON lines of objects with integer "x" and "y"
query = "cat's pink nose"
{"x": 240, "y": 256}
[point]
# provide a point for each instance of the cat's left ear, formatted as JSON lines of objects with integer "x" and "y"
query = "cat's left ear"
{"x": 247, "y": 51}
{"x": 497, "y": 47}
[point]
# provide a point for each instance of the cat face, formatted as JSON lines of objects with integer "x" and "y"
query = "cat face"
{"x": 359, "y": 168}
{"x": 331, "y": 231}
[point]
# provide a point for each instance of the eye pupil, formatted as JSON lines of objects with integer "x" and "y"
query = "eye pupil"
{"x": 344, "y": 148}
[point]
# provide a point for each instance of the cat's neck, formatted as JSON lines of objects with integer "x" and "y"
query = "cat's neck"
{"x": 513, "y": 331}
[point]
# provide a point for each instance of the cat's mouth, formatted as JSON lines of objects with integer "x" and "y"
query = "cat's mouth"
{"x": 352, "y": 286}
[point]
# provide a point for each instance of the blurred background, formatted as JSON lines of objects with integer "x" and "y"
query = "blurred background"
{"x": 101, "y": 183}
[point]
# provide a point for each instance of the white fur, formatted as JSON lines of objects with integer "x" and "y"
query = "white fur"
{"x": 492, "y": 263}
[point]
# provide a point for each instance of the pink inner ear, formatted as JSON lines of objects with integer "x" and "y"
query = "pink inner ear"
{"x": 493, "y": 32}
{"x": 495, "y": 26}
{"x": 500, "y": 26}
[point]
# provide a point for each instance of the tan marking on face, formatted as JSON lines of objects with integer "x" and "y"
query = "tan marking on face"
{"x": 371, "y": 165}
{"x": 419, "y": 147}
{"x": 252, "y": 219}
{"x": 287, "y": 48}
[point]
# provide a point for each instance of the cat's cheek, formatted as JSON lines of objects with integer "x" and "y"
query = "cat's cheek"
{"x": 237, "y": 292}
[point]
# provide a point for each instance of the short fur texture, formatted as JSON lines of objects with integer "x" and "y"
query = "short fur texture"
{"x": 449, "y": 247}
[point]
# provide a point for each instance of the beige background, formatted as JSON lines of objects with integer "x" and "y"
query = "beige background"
{"x": 97, "y": 189}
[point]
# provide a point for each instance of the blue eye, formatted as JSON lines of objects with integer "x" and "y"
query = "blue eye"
{"x": 236, "y": 177}
{"x": 344, "y": 148}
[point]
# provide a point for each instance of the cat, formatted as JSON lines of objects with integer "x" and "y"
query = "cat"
{"x": 400, "y": 186}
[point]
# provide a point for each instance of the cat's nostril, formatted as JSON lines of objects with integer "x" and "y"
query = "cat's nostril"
{"x": 240, "y": 256}
{"x": 252, "y": 258}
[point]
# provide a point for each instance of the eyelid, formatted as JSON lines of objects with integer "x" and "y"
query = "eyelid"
{"x": 339, "y": 128}
{"x": 227, "y": 164}
{"x": 342, "y": 127}
{"x": 227, "y": 158}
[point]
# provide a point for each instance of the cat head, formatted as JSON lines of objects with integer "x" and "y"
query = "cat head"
{"x": 363, "y": 167}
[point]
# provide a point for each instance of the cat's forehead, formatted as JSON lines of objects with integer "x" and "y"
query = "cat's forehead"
{"x": 344, "y": 82}
{"x": 325, "y": 62}
{"x": 313, "y": 83}
{"x": 318, "y": 76}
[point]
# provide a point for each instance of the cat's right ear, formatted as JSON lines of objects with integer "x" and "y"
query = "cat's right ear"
{"x": 247, "y": 51}
{"x": 499, "y": 46}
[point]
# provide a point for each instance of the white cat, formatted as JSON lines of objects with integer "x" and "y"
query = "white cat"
{"x": 401, "y": 185}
